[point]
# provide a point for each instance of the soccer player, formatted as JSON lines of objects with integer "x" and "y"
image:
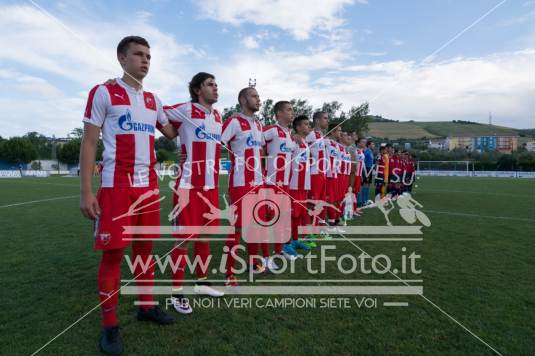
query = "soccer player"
{"x": 242, "y": 133}
{"x": 358, "y": 158}
{"x": 127, "y": 116}
{"x": 318, "y": 167}
{"x": 199, "y": 126}
{"x": 279, "y": 147}
{"x": 367, "y": 172}
{"x": 300, "y": 179}
{"x": 380, "y": 172}
{"x": 333, "y": 157}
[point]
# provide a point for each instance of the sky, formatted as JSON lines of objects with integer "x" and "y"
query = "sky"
{"x": 422, "y": 60}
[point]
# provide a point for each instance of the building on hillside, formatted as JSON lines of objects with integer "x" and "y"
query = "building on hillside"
{"x": 464, "y": 142}
{"x": 500, "y": 143}
{"x": 530, "y": 145}
{"x": 438, "y": 143}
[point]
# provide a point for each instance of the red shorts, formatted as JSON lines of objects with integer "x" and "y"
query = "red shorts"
{"x": 118, "y": 209}
{"x": 317, "y": 187}
{"x": 237, "y": 196}
{"x": 299, "y": 208}
{"x": 331, "y": 190}
{"x": 196, "y": 207}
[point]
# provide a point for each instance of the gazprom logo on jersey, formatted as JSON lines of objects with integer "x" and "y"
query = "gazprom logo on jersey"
{"x": 201, "y": 133}
{"x": 303, "y": 156}
{"x": 126, "y": 124}
{"x": 332, "y": 152}
{"x": 252, "y": 142}
{"x": 285, "y": 148}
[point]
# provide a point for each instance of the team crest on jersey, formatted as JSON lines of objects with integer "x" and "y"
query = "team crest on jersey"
{"x": 104, "y": 238}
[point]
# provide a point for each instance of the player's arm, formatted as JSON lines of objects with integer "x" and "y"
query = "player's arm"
{"x": 163, "y": 121}
{"x": 88, "y": 150}
{"x": 168, "y": 131}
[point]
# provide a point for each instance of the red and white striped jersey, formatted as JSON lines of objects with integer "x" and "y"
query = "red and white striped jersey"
{"x": 279, "y": 147}
{"x": 333, "y": 162}
{"x": 200, "y": 144}
{"x": 359, "y": 158}
{"x": 346, "y": 161}
{"x": 243, "y": 136}
{"x": 316, "y": 143}
{"x": 300, "y": 178}
{"x": 128, "y": 118}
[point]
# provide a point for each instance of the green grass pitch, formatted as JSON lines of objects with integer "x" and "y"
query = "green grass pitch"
{"x": 477, "y": 259}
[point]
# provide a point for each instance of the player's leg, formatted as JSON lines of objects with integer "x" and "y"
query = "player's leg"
{"x": 298, "y": 212}
{"x": 201, "y": 248}
{"x": 142, "y": 252}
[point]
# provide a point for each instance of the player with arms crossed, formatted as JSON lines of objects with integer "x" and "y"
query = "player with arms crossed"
{"x": 127, "y": 116}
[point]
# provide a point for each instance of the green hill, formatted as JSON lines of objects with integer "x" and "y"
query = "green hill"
{"x": 427, "y": 129}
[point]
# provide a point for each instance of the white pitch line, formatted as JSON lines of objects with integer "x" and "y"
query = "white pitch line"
{"x": 38, "y": 201}
{"x": 480, "y": 216}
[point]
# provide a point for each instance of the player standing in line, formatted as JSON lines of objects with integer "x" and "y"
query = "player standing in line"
{"x": 332, "y": 153}
{"x": 318, "y": 168}
{"x": 199, "y": 127}
{"x": 358, "y": 157}
{"x": 367, "y": 171}
{"x": 127, "y": 116}
{"x": 380, "y": 173}
{"x": 300, "y": 179}
{"x": 279, "y": 147}
{"x": 242, "y": 133}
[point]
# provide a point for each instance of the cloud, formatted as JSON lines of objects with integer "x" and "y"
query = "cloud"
{"x": 460, "y": 88}
{"x": 299, "y": 18}
{"x": 397, "y": 42}
{"x": 70, "y": 55}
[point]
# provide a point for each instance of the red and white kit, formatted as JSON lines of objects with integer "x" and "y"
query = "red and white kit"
{"x": 299, "y": 186}
{"x": 279, "y": 147}
{"x": 196, "y": 189}
{"x": 333, "y": 167}
{"x": 128, "y": 118}
{"x": 243, "y": 136}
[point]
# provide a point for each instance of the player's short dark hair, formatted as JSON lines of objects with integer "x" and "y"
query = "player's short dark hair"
{"x": 297, "y": 121}
{"x": 369, "y": 143}
{"x": 332, "y": 126}
{"x": 243, "y": 93}
{"x": 361, "y": 138}
{"x": 122, "y": 47}
{"x": 279, "y": 105}
{"x": 317, "y": 115}
{"x": 196, "y": 83}
{"x": 388, "y": 145}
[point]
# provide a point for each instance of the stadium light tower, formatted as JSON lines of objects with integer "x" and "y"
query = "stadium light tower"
{"x": 252, "y": 82}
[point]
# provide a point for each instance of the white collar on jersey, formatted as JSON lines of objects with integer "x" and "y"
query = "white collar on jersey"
{"x": 128, "y": 87}
{"x": 286, "y": 129}
{"x": 250, "y": 118}
{"x": 203, "y": 108}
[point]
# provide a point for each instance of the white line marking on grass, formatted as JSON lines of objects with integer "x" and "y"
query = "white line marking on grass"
{"x": 38, "y": 201}
{"x": 395, "y": 304}
{"x": 469, "y": 192}
{"x": 480, "y": 216}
